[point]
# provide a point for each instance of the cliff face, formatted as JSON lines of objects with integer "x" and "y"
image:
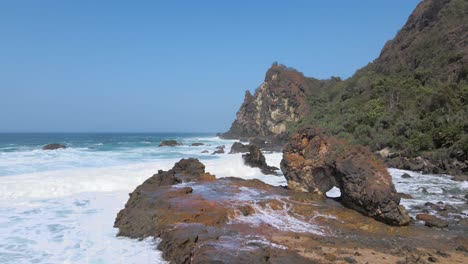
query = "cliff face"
{"x": 280, "y": 101}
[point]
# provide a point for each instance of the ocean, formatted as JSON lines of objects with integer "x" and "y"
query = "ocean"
{"x": 59, "y": 206}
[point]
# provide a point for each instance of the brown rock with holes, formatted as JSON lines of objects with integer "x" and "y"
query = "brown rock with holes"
{"x": 315, "y": 162}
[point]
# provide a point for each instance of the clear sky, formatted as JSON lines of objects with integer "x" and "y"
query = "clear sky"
{"x": 171, "y": 66}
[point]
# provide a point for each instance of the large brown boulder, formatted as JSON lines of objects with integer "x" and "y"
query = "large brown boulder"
{"x": 315, "y": 162}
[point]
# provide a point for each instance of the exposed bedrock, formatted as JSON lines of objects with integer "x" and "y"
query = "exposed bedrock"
{"x": 315, "y": 162}
{"x": 200, "y": 219}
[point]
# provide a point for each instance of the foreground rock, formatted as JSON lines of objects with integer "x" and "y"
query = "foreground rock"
{"x": 169, "y": 143}
{"x": 200, "y": 219}
{"x": 53, "y": 146}
{"x": 256, "y": 159}
{"x": 238, "y": 147}
{"x": 314, "y": 162}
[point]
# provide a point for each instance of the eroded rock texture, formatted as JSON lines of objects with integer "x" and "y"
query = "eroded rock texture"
{"x": 278, "y": 101}
{"x": 200, "y": 219}
{"x": 314, "y": 162}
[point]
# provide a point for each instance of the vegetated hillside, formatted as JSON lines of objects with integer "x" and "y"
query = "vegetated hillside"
{"x": 413, "y": 98}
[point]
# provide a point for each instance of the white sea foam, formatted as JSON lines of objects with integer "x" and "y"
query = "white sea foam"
{"x": 439, "y": 188}
{"x": 62, "y": 209}
{"x": 74, "y": 229}
{"x": 59, "y": 206}
{"x": 279, "y": 219}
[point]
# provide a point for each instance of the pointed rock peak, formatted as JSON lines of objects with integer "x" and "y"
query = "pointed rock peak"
{"x": 279, "y": 72}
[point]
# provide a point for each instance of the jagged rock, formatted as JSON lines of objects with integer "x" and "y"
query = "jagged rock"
{"x": 53, "y": 146}
{"x": 279, "y": 101}
{"x": 169, "y": 143}
{"x": 314, "y": 162}
{"x": 432, "y": 221}
{"x": 196, "y": 144}
{"x": 256, "y": 159}
{"x": 238, "y": 147}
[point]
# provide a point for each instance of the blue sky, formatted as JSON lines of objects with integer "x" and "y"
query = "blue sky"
{"x": 171, "y": 66}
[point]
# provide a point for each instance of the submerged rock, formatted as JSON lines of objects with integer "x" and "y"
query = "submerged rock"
{"x": 169, "y": 143}
{"x": 315, "y": 162}
{"x": 53, "y": 146}
{"x": 256, "y": 159}
{"x": 238, "y": 147}
{"x": 196, "y": 144}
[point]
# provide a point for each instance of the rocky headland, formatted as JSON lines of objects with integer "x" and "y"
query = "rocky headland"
{"x": 410, "y": 100}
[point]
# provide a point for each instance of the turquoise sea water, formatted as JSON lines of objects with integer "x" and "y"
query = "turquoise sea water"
{"x": 59, "y": 206}
{"x": 22, "y": 153}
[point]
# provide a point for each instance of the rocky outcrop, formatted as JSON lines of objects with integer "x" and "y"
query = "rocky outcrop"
{"x": 278, "y": 102}
{"x": 169, "y": 143}
{"x": 256, "y": 159}
{"x": 53, "y": 146}
{"x": 230, "y": 220}
{"x": 430, "y": 165}
{"x": 238, "y": 147}
{"x": 314, "y": 162}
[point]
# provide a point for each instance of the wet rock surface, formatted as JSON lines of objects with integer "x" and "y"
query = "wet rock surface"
{"x": 314, "y": 162}
{"x": 238, "y": 147}
{"x": 169, "y": 143}
{"x": 53, "y": 146}
{"x": 256, "y": 159}
{"x": 200, "y": 219}
{"x": 219, "y": 150}
{"x": 196, "y": 144}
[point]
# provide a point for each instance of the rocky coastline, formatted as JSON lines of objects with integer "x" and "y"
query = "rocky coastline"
{"x": 201, "y": 219}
